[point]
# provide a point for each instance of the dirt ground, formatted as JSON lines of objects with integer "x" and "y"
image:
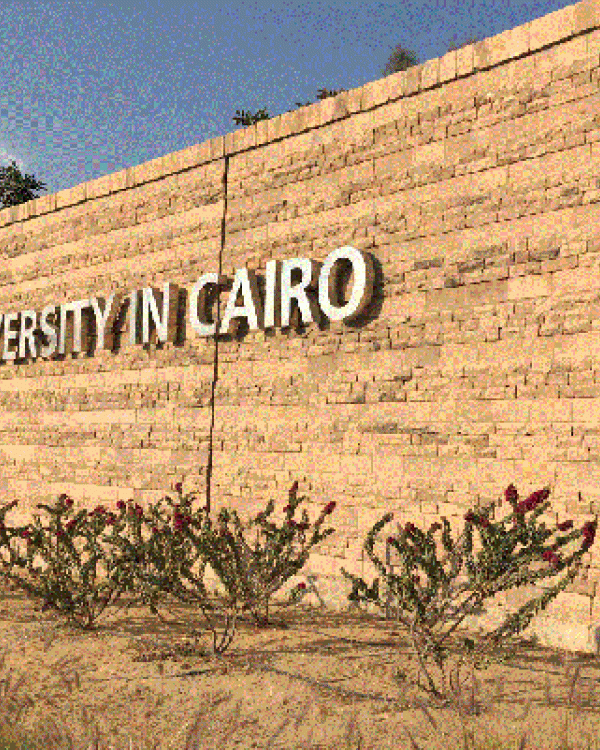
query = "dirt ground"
{"x": 297, "y": 684}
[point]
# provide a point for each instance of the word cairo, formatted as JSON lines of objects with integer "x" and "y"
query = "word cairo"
{"x": 313, "y": 295}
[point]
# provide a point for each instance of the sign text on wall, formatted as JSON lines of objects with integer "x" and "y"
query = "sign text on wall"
{"x": 313, "y": 294}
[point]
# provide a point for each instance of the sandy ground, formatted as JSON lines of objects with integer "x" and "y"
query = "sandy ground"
{"x": 295, "y": 685}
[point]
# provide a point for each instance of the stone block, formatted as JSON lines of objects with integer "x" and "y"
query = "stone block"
{"x": 413, "y": 81}
{"x": 374, "y": 93}
{"x": 99, "y": 187}
{"x": 430, "y": 75}
{"x": 64, "y": 198}
{"x": 586, "y": 16}
{"x": 502, "y": 47}
{"x": 217, "y": 147}
{"x": 551, "y": 28}
{"x": 465, "y": 60}
{"x": 45, "y": 204}
{"x": 448, "y": 67}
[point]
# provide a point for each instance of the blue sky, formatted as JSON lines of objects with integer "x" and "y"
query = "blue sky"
{"x": 93, "y": 87}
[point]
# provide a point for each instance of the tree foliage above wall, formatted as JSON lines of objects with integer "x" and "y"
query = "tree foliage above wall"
{"x": 400, "y": 59}
{"x": 17, "y": 188}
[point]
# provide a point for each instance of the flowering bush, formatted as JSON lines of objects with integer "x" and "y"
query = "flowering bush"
{"x": 430, "y": 600}
{"x": 163, "y": 562}
{"x": 249, "y": 575}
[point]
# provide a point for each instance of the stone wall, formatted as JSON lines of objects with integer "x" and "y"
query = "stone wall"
{"x": 471, "y": 182}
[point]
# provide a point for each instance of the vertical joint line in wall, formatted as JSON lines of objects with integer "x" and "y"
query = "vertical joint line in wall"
{"x": 216, "y": 337}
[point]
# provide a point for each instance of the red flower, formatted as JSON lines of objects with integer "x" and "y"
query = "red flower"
{"x": 551, "y": 556}
{"x": 565, "y": 525}
{"x": 155, "y": 530}
{"x": 303, "y": 526}
{"x": 588, "y": 532}
{"x": 99, "y": 509}
{"x": 25, "y": 534}
{"x": 67, "y": 500}
{"x": 111, "y": 519}
{"x": 121, "y": 505}
{"x": 293, "y": 490}
{"x": 329, "y": 507}
{"x": 287, "y": 508}
{"x": 301, "y": 585}
{"x": 139, "y": 510}
{"x": 511, "y": 494}
{"x": 178, "y": 487}
{"x": 470, "y": 517}
{"x": 390, "y": 539}
{"x": 409, "y": 528}
{"x": 484, "y": 521}
{"x": 533, "y": 500}
{"x": 435, "y": 526}
{"x": 62, "y": 498}
{"x": 69, "y": 525}
{"x": 60, "y": 533}
{"x": 292, "y": 523}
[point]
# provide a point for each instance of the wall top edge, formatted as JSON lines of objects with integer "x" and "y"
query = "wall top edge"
{"x": 547, "y": 31}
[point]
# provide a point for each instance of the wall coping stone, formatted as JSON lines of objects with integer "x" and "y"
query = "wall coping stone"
{"x": 521, "y": 41}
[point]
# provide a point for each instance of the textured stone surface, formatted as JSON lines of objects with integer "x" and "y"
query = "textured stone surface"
{"x": 473, "y": 181}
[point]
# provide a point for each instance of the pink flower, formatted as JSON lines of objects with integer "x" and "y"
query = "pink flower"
{"x": 565, "y": 525}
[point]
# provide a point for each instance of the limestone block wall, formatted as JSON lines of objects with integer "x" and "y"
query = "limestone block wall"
{"x": 472, "y": 182}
